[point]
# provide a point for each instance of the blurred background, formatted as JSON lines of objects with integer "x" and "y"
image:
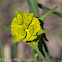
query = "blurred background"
{"x": 53, "y": 26}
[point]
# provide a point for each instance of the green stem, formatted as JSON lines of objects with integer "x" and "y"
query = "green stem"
{"x": 1, "y": 51}
{"x": 14, "y": 50}
{"x": 39, "y": 55}
{"x": 38, "y": 52}
{"x": 46, "y": 55}
{"x": 34, "y": 56}
{"x": 34, "y": 45}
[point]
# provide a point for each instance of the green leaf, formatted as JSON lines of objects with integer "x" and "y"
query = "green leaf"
{"x": 34, "y": 56}
{"x": 41, "y": 32}
{"x": 33, "y": 7}
{"x": 43, "y": 7}
{"x": 47, "y": 14}
{"x": 36, "y": 0}
{"x": 46, "y": 55}
{"x": 16, "y": 10}
{"x": 58, "y": 13}
{"x": 33, "y": 42}
{"x": 34, "y": 45}
{"x": 14, "y": 50}
{"x": 1, "y": 51}
{"x": 6, "y": 28}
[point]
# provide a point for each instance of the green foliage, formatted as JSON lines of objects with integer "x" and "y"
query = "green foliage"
{"x": 46, "y": 55}
{"x": 14, "y": 50}
{"x": 1, "y": 51}
{"x": 34, "y": 56}
{"x": 33, "y": 7}
{"x": 16, "y": 10}
{"x": 43, "y": 7}
{"x": 58, "y": 13}
{"x": 34, "y": 44}
{"x": 47, "y": 14}
{"x": 6, "y": 28}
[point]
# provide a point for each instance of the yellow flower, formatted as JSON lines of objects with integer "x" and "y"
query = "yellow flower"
{"x": 25, "y": 27}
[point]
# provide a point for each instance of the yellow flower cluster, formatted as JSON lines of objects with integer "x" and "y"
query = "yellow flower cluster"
{"x": 25, "y": 27}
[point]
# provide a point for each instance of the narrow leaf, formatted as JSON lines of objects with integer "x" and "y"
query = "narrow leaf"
{"x": 41, "y": 32}
{"x": 34, "y": 45}
{"x": 58, "y": 13}
{"x": 33, "y": 7}
{"x": 47, "y": 14}
{"x": 16, "y": 10}
{"x": 43, "y": 7}
{"x": 14, "y": 50}
{"x": 1, "y": 51}
{"x": 6, "y": 28}
{"x": 34, "y": 56}
{"x": 46, "y": 55}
